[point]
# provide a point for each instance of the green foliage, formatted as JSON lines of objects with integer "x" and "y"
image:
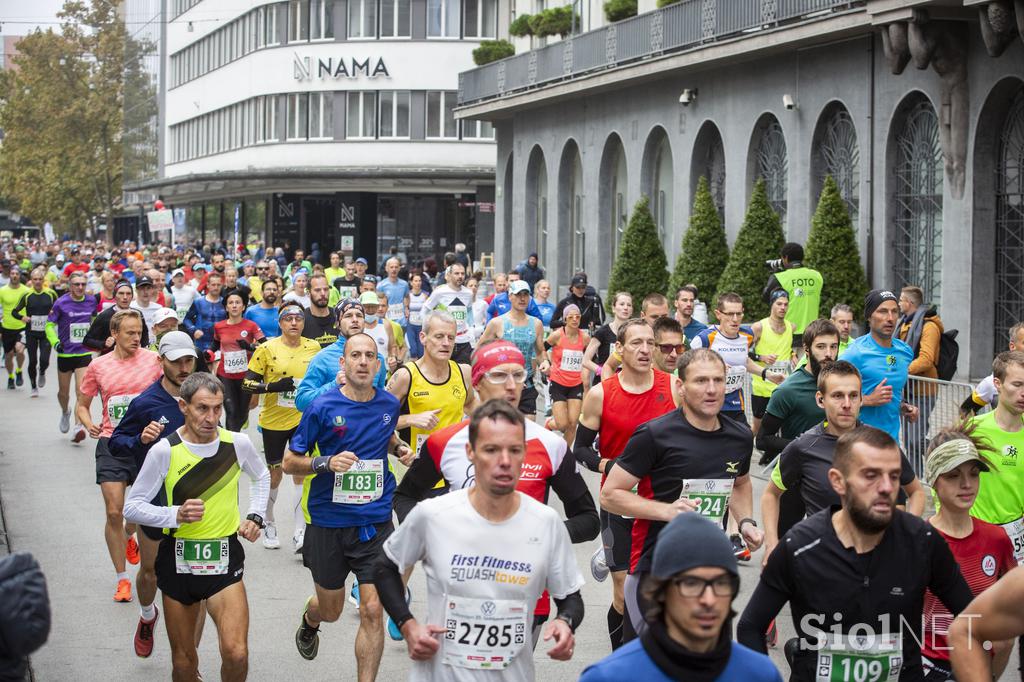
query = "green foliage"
{"x": 491, "y": 51}
{"x": 666, "y": 3}
{"x": 832, "y": 250}
{"x": 760, "y": 239}
{"x": 554, "y": 21}
{"x": 705, "y": 251}
{"x": 520, "y": 27}
{"x": 641, "y": 267}
{"x": 617, "y": 10}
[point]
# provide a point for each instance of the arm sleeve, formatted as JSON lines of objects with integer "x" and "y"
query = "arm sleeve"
{"x": 571, "y": 609}
{"x": 259, "y": 475}
{"x": 137, "y": 507}
{"x": 581, "y": 519}
{"x": 768, "y": 440}
{"x": 99, "y": 330}
{"x": 407, "y": 545}
{"x": 391, "y": 590}
{"x": 252, "y": 382}
{"x": 946, "y": 581}
{"x": 417, "y": 483}
{"x": 51, "y": 333}
{"x": 583, "y": 448}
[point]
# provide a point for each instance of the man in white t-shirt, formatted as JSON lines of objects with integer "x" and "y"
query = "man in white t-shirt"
{"x": 182, "y": 292}
{"x": 489, "y": 552}
{"x": 145, "y": 302}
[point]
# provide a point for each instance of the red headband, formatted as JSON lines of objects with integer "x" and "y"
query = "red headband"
{"x": 494, "y": 354}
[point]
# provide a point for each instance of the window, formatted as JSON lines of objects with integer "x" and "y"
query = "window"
{"x": 298, "y": 116}
{"x": 298, "y": 20}
{"x": 321, "y": 115}
{"x": 481, "y": 19}
{"x": 394, "y": 114}
{"x": 440, "y": 115}
{"x": 394, "y": 19}
{"x": 362, "y": 18}
{"x": 443, "y": 18}
{"x": 473, "y": 130}
{"x": 362, "y": 108}
{"x": 321, "y": 19}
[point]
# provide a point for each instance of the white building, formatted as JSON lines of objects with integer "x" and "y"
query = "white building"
{"x": 323, "y": 121}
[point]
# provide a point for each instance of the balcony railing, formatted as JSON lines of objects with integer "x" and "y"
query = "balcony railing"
{"x": 679, "y": 26}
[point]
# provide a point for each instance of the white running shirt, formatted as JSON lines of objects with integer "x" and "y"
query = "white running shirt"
{"x": 455, "y": 303}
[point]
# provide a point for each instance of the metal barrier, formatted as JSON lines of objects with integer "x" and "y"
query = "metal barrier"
{"x": 938, "y": 403}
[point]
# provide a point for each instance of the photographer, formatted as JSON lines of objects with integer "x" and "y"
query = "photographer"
{"x": 801, "y": 283}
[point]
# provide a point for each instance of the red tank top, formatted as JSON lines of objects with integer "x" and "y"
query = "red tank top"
{"x": 622, "y": 412}
{"x": 567, "y": 360}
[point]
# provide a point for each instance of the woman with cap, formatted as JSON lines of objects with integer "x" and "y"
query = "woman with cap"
{"x": 566, "y": 373}
{"x": 693, "y": 581}
{"x": 983, "y": 550}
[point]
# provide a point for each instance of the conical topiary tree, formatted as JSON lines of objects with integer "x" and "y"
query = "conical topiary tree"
{"x": 760, "y": 239}
{"x": 832, "y": 250}
{"x": 705, "y": 251}
{"x": 641, "y": 267}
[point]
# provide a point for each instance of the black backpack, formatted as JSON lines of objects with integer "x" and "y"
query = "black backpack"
{"x": 949, "y": 351}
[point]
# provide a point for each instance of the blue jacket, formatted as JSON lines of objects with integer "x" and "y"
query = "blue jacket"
{"x": 632, "y": 662}
{"x": 322, "y": 370}
{"x": 202, "y": 316}
{"x": 501, "y": 304}
{"x": 154, "y": 404}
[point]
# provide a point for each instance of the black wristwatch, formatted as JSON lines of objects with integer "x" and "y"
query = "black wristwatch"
{"x": 739, "y": 526}
{"x": 257, "y": 519}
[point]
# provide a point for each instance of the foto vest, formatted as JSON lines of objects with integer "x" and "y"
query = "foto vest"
{"x": 804, "y": 288}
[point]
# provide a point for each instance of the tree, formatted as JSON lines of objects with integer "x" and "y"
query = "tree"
{"x": 705, "y": 251}
{"x": 760, "y": 239}
{"x": 641, "y": 267}
{"x": 832, "y": 251}
{"x": 553, "y": 21}
{"x": 62, "y": 112}
{"x": 617, "y": 10}
{"x": 520, "y": 27}
{"x": 491, "y": 51}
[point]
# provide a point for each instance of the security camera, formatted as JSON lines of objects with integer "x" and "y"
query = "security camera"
{"x": 688, "y": 96}
{"x": 788, "y": 102}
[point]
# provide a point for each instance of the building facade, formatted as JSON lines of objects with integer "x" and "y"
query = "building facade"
{"x": 326, "y": 122}
{"x": 915, "y": 108}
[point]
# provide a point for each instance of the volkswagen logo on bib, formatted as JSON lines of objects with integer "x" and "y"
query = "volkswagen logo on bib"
{"x": 487, "y": 608}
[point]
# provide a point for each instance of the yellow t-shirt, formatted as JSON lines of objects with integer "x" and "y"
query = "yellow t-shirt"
{"x": 276, "y": 360}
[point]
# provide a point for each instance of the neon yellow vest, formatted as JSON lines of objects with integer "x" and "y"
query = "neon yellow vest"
{"x": 804, "y": 288}
{"x": 214, "y": 480}
{"x": 772, "y": 343}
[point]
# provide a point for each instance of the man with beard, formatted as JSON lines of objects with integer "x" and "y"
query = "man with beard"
{"x": 855, "y": 576}
{"x": 218, "y": 266}
{"x": 99, "y": 338}
{"x": 264, "y": 313}
{"x": 320, "y": 321}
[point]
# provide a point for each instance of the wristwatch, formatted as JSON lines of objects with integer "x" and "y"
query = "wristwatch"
{"x": 751, "y": 521}
{"x": 257, "y": 519}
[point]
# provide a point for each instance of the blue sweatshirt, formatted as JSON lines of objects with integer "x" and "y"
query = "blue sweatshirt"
{"x": 202, "y": 316}
{"x": 501, "y": 304}
{"x": 322, "y": 371}
{"x": 632, "y": 662}
{"x": 154, "y": 404}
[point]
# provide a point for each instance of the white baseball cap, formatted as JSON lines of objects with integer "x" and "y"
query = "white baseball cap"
{"x": 175, "y": 345}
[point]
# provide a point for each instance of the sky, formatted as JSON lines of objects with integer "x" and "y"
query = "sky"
{"x": 18, "y": 17}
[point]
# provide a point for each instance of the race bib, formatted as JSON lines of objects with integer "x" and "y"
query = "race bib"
{"x": 78, "y": 331}
{"x": 201, "y": 557}
{"x": 878, "y": 658}
{"x": 182, "y": 312}
{"x": 235, "y": 361}
{"x": 415, "y": 317}
{"x": 117, "y": 405}
{"x": 572, "y": 361}
{"x": 362, "y": 484}
{"x": 347, "y": 292}
{"x": 38, "y": 323}
{"x": 780, "y": 367}
{"x": 734, "y": 377}
{"x": 459, "y": 313}
{"x": 711, "y": 495}
{"x": 1015, "y": 531}
{"x": 483, "y": 634}
{"x": 287, "y": 398}
{"x": 397, "y": 313}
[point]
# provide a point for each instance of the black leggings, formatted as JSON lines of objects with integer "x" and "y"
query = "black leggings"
{"x": 236, "y": 404}
{"x": 38, "y": 349}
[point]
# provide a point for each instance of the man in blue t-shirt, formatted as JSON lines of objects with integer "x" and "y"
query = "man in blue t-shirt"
{"x": 883, "y": 362}
{"x": 347, "y": 500}
{"x": 264, "y": 313}
{"x": 396, "y": 290}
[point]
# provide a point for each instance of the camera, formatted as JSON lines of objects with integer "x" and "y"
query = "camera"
{"x": 688, "y": 95}
{"x": 788, "y": 102}
{"x": 775, "y": 265}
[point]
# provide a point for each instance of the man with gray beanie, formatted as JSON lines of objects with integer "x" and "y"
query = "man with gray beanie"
{"x": 689, "y": 626}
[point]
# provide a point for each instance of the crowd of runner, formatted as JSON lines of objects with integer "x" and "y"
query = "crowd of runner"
{"x": 418, "y": 399}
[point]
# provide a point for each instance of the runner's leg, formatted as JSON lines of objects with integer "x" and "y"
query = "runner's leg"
{"x": 32, "y": 346}
{"x": 114, "y": 529}
{"x": 145, "y": 579}
{"x": 370, "y": 637}
{"x": 575, "y": 407}
{"x": 180, "y": 621}
{"x": 229, "y": 609}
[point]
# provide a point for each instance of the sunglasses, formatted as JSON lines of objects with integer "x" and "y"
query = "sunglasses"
{"x": 667, "y": 348}
{"x": 498, "y": 377}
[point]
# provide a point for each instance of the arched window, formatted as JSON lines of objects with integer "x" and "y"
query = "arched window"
{"x": 537, "y": 202}
{"x": 657, "y": 181}
{"x": 612, "y": 197}
{"x": 709, "y": 161}
{"x": 917, "y": 176}
{"x": 772, "y": 163}
{"x": 1009, "y": 259}
{"x": 570, "y": 208}
{"x": 836, "y": 153}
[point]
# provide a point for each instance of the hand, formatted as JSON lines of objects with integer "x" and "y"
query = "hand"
{"x": 421, "y": 641}
{"x": 775, "y": 377}
{"x": 245, "y": 345}
{"x": 26, "y": 319}
{"x": 768, "y": 359}
{"x": 880, "y": 396}
{"x": 769, "y": 547}
{"x": 281, "y": 385}
{"x": 339, "y": 378}
{"x": 543, "y": 368}
{"x": 405, "y": 455}
{"x": 191, "y": 511}
{"x": 565, "y": 642}
{"x": 59, "y": 348}
{"x": 425, "y": 421}
{"x": 676, "y": 508}
{"x": 392, "y": 363}
{"x": 151, "y": 432}
{"x": 95, "y": 430}
{"x": 249, "y": 530}
{"x": 109, "y": 342}
{"x": 198, "y": 334}
{"x": 753, "y": 536}
{"x": 911, "y": 412}
{"x": 343, "y": 461}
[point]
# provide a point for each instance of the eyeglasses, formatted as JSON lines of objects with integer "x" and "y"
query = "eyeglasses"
{"x": 722, "y": 313}
{"x": 692, "y": 586}
{"x": 499, "y": 377}
{"x": 667, "y": 348}
{"x": 78, "y": 284}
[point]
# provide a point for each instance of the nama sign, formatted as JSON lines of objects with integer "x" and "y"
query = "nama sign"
{"x": 304, "y": 68}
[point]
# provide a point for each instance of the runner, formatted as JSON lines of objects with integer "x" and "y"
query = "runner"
{"x": 994, "y": 615}
{"x": 527, "y": 333}
{"x": 165, "y": 320}
{"x": 455, "y": 300}
{"x": 982, "y": 550}
{"x": 686, "y": 300}
{"x": 234, "y": 340}
{"x": 347, "y": 500}
{"x": 182, "y": 294}
{"x": 855, "y": 576}
{"x": 669, "y": 344}
{"x": 265, "y": 313}
{"x": 320, "y": 323}
{"x": 33, "y": 309}
{"x": 99, "y": 338}
{"x": 600, "y": 347}
{"x": 378, "y": 329}
{"x": 842, "y": 317}
{"x": 499, "y": 374}
{"x": 985, "y": 393}
{"x": 397, "y": 292}
{"x": 397, "y": 332}
{"x": 488, "y": 553}
{"x": 154, "y": 412}
{"x": 145, "y": 302}
{"x": 685, "y": 460}
{"x": 205, "y": 313}
{"x": 774, "y": 350}
{"x": 13, "y": 328}
{"x": 417, "y": 299}
{"x": 273, "y": 370}
{"x": 566, "y": 374}
{"x": 66, "y": 328}
{"x": 117, "y": 378}
{"x": 613, "y": 410}
{"x": 300, "y": 290}
{"x": 197, "y": 468}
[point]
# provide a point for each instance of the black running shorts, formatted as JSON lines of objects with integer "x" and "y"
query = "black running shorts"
{"x": 110, "y": 469}
{"x": 561, "y": 394}
{"x": 331, "y": 554}
{"x": 274, "y": 443}
{"x": 189, "y": 589}
{"x": 69, "y": 363}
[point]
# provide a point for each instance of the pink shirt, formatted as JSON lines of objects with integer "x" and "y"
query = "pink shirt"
{"x": 118, "y": 381}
